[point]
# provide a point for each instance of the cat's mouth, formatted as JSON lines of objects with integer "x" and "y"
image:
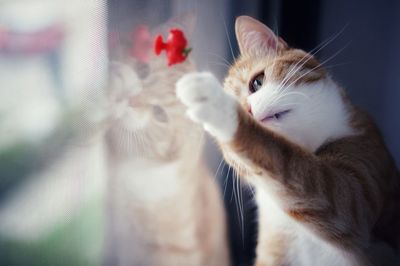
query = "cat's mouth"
{"x": 275, "y": 116}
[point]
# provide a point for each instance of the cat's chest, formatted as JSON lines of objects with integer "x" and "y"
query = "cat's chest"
{"x": 146, "y": 180}
{"x": 302, "y": 247}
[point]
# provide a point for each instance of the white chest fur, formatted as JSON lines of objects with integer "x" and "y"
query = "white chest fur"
{"x": 304, "y": 248}
{"x": 145, "y": 180}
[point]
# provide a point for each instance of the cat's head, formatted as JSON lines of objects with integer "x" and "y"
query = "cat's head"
{"x": 145, "y": 117}
{"x": 287, "y": 90}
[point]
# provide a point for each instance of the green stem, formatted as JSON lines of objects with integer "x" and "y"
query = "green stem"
{"x": 186, "y": 51}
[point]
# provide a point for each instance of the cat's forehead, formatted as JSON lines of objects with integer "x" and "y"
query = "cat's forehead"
{"x": 243, "y": 70}
{"x": 245, "y": 67}
{"x": 276, "y": 67}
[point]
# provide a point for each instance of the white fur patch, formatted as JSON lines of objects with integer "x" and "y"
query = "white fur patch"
{"x": 209, "y": 104}
{"x": 317, "y": 112}
{"x": 305, "y": 248}
{"x": 149, "y": 182}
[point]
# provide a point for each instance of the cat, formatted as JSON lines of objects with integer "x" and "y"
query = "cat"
{"x": 164, "y": 207}
{"x": 327, "y": 188}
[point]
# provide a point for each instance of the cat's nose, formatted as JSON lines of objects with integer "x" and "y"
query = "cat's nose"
{"x": 134, "y": 101}
{"x": 249, "y": 109}
{"x": 248, "y": 106}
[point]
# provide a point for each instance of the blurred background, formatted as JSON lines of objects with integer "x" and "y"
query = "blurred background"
{"x": 54, "y": 57}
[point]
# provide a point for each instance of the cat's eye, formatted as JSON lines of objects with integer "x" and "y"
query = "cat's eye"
{"x": 256, "y": 82}
{"x": 159, "y": 114}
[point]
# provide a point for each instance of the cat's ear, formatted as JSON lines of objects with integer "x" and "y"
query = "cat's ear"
{"x": 254, "y": 38}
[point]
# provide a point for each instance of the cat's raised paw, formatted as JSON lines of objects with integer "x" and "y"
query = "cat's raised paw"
{"x": 208, "y": 104}
{"x": 196, "y": 88}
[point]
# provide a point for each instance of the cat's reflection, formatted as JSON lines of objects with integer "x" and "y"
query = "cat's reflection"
{"x": 164, "y": 208}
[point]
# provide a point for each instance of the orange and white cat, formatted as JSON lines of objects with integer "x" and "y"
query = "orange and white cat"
{"x": 327, "y": 189}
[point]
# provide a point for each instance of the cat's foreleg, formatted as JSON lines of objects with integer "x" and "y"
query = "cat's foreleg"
{"x": 209, "y": 104}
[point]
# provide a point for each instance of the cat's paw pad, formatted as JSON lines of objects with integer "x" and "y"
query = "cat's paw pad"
{"x": 197, "y": 88}
{"x": 208, "y": 104}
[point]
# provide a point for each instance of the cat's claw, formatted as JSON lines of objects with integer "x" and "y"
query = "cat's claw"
{"x": 209, "y": 104}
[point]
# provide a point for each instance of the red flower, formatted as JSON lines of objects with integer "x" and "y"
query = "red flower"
{"x": 175, "y": 47}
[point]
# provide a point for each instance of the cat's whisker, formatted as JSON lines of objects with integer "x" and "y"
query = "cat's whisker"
{"x": 135, "y": 141}
{"x": 268, "y": 106}
{"x": 318, "y": 66}
{"x": 336, "y": 65}
{"x": 227, "y": 36}
{"x": 327, "y": 41}
{"x": 235, "y": 194}
{"x": 241, "y": 202}
{"x": 219, "y": 166}
{"x": 119, "y": 138}
{"x": 220, "y": 57}
{"x": 238, "y": 195}
{"x": 227, "y": 176}
{"x": 219, "y": 64}
{"x": 290, "y": 104}
{"x": 283, "y": 85}
{"x": 277, "y": 97}
{"x": 142, "y": 142}
{"x": 128, "y": 141}
{"x": 122, "y": 139}
{"x": 225, "y": 180}
{"x": 294, "y": 69}
{"x": 285, "y": 94}
{"x": 311, "y": 53}
{"x": 132, "y": 142}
